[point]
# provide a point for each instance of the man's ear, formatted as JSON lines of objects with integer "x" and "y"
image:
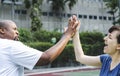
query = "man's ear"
{"x": 1, "y": 31}
{"x": 118, "y": 47}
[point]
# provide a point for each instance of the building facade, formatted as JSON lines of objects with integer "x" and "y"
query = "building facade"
{"x": 92, "y": 14}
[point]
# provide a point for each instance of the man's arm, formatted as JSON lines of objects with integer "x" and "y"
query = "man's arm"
{"x": 53, "y": 52}
{"x": 80, "y": 56}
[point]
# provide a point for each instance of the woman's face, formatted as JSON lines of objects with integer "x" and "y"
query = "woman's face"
{"x": 111, "y": 43}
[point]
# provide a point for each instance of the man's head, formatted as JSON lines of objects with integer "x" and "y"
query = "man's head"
{"x": 8, "y": 30}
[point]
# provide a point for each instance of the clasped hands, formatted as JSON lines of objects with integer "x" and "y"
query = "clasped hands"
{"x": 73, "y": 25}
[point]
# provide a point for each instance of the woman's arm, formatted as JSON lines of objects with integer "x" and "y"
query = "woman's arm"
{"x": 79, "y": 54}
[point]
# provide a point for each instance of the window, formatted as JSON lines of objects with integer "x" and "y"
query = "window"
{"x": 85, "y": 16}
{"x": 104, "y": 17}
{"x": 113, "y": 18}
{"x": 17, "y": 11}
{"x": 95, "y": 17}
{"x": 44, "y": 13}
{"x": 80, "y": 16}
{"x": 100, "y": 17}
{"x": 68, "y": 15}
{"x": 63, "y": 14}
{"x": 109, "y": 18}
{"x": 50, "y": 14}
{"x": 23, "y": 12}
{"x": 90, "y": 17}
{"x": 57, "y": 14}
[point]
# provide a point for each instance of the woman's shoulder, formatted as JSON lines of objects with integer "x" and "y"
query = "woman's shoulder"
{"x": 105, "y": 57}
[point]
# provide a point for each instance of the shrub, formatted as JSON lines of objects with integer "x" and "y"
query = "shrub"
{"x": 91, "y": 37}
{"x": 25, "y": 35}
{"x": 45, "y": 36}
{"x": 92, "y": 43}
{"x": 42, "y": 46}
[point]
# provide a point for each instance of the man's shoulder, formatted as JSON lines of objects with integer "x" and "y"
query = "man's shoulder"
{"x": 9, "y": 42}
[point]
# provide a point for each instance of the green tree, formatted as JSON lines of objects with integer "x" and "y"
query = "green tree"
{"x": 35, "y": 13}
{"x": 113, "y": 6}
{"x": 58, "y": 6}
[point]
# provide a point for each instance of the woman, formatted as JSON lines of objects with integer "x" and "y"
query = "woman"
{"x": 110, "y": 61}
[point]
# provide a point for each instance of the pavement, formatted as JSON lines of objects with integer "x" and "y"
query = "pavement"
{"x": 42, "y": 71}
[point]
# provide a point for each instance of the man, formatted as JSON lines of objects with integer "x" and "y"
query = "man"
{"x": 109, "y": 62}
{"x": 14, "y": 55}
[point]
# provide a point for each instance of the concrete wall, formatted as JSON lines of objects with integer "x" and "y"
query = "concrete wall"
{"x": 84, "y": 8}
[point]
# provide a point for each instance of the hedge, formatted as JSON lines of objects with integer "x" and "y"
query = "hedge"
{"x": 67, "y": 58}
{"x": 92, "y": 43}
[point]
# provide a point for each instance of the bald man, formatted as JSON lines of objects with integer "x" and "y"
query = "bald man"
{"x": 14, "y": 55}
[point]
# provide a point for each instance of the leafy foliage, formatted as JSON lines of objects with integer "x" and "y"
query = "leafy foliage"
{"x": 25, "y": 35}
{"x": 45, "y": 36}
{"x": 92, "y": 43}
{"x": 59, "y": 5}
{"x": 91, "y": 37}
{"x": 35, "y": 13}
{"x": 114, "y": 8}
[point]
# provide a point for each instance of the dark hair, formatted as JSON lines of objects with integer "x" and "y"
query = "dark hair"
{"x": 117, "y": 28}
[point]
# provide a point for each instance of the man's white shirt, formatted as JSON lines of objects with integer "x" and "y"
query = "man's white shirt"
{"x": 15, "y": 56}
